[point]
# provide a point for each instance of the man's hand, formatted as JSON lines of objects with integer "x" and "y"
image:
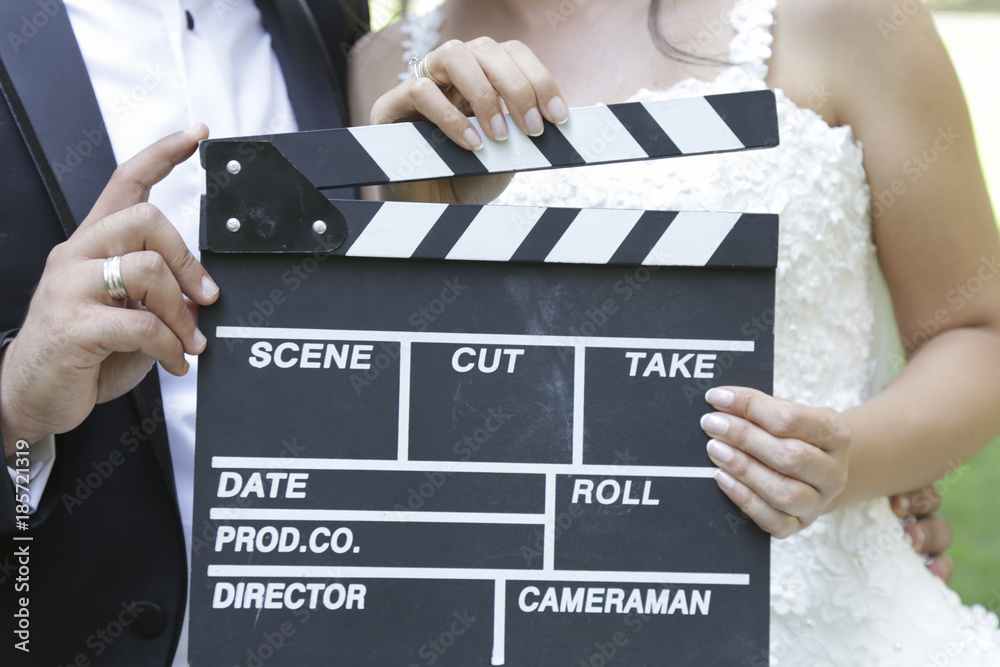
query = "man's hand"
{"x": 78, "y": 347}
{"x": 931, "y": 535}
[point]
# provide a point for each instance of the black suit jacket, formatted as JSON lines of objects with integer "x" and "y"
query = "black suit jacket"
{"x": 106, "y": 571}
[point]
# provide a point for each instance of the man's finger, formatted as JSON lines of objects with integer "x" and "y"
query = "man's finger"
{"x": 932, "y": 535}
{"x": 143, "y": 227}
{"x": 924, "y": 502}
{"x": 133, "y": 179}
{"x": 943, "y": 567}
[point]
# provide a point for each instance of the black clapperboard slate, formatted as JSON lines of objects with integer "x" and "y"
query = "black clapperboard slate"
{"x": 469, "y": 435}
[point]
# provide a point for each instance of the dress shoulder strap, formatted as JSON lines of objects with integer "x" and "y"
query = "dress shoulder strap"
{"x": 422, "y": 33}
{"x": 751, "y": 47}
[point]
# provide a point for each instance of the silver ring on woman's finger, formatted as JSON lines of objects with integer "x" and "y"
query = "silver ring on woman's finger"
{"x": 420, "y": 71}
{"x": 113, "y": 278}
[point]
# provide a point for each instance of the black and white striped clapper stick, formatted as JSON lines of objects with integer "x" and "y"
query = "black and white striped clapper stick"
{"x": 558, "y": 235}
{"x": 242, "y": 214}
{"x": 593, "y": 135}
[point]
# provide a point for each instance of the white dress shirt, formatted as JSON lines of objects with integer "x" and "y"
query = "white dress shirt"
{"x": 153, "y": 75}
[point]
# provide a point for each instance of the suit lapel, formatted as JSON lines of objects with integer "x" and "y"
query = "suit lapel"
{"x": 312, "y": 82}
{"x": 47, "y": 87}
{"x": 49, "y": 92}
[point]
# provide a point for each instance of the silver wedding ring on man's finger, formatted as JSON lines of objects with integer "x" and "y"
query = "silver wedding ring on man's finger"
{"x": 113, "y": 278}
{"x": 420, "y": 71}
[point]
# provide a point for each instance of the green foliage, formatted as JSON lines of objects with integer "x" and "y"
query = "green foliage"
{"x": 964, "y": 5}
{"x": 971, "y": 503}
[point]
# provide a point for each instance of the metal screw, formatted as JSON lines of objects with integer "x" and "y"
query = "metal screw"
{"x": 234, "y": 167}
{"x": 233, "y": 225}
{"x": 319, "y": 227}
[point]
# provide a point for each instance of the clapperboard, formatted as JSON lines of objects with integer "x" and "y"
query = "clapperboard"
{"x": 469, "y": 435}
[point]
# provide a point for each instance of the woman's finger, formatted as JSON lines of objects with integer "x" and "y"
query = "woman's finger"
{"x": 778, "y": 524}
{"x": 787, "y": 495}
{"x": 455, "y": 64}
{"x": 511, "y": 83}
{"x": 550, "y": 98}
{"x": 421, "y": 99}
{"x": 790, "y": 457}
{"x": 823, "y": 427}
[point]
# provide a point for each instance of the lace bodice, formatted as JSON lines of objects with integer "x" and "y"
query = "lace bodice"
{"x": 849, "y": 590}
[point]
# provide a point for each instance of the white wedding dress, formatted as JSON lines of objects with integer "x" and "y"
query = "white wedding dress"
{"x": 849, "y": 590}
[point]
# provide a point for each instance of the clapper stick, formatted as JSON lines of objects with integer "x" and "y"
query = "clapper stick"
{"x": 375, "y": 155}
{"x": 242, "y": 216}
{"x": 540, "y": 370}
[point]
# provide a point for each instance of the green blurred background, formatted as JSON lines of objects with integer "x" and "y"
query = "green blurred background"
{"x": 971, "y": 31}
{"x": 971, "y": 502}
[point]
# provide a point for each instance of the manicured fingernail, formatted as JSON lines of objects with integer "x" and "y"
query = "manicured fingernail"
{"x": 533, "y": 119}
{"x": 195, "y": 130}
{"x": 903, "y": 505}
{"x": 199, "y": 339}
{"x": 724, "y": 479}
{"x": 208, "y": 287}
{"x": 719, "y": 452}
{"x": 917, "y": 535}
{"x": 499, "y": 127}
{"x": 720, "y": 398}
{"x": 558, "y": 111}
{"x": 716, "y": 425}
{"x": 473, "y": 139}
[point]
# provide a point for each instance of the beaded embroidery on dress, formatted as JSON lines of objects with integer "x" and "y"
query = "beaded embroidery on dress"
{"x": 849, "y": 590}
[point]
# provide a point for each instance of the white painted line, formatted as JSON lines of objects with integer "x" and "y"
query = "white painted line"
{"x": 692, "y": 239}
{"x": 496, "y": 233}
{"x": 518, "y": 152}
{"x": 397, "y": 230}
{"x": 598, "y": 136}
{"x": 476, "y": 574}
{"x": 499, "y": 622}
{"x": 276, "y": 333}
{"x": 694, "y": 126}
{"x": 403, "y": 447}
{"x": 401, "y": 152}
{"x": 381, "y": 516}
{"x": 594, "y": 236}
{"x": 549, "y": 537}
{"x": 579, "y": 375}
{"x": 284, "y": 463}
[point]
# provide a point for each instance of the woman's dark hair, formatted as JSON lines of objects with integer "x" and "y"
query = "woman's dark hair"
{"x": 668, "y": 49}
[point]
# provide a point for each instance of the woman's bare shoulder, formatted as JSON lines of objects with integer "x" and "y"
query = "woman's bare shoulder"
{"x": 375, "y": 64}
{"x": 835, "y": 50}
